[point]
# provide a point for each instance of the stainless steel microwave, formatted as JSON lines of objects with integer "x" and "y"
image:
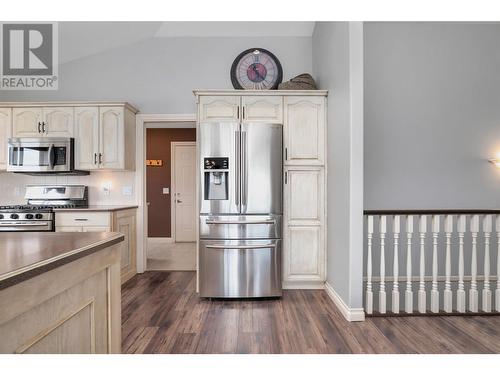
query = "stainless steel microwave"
{"x": 41, "y": 155}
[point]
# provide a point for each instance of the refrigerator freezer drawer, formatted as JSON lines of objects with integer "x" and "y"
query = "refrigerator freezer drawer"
{"x": 240, "y": 269}
{"x": 240, "y": 227}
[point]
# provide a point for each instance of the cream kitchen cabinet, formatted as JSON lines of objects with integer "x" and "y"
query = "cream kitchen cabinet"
{"x": 105, "y": 138}
{"x": 268, "y": 109}
{"x": 304, "y": 233}
{"x": 87, "y": 136}
{"x": 258, "y": 108}
{"x": 27, "y": 122}
{"x": 219, "y": 108}
{"x": 43, "y": 122}
{"x": 5, "y": 134}
{"x": 123, "y": 221}
{"x": 304, "y": 130}
{"x": 304, "y": 263}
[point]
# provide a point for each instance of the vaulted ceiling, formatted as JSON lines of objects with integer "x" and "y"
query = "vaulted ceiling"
{"x": 80, "y": 39}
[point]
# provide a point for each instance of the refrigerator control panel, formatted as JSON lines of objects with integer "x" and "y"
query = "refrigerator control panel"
{"x": 216, "y": 163}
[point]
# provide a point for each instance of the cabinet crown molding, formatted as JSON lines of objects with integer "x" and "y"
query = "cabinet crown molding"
{"x": 261, "y": 92}
{"x": 69, "y": 104}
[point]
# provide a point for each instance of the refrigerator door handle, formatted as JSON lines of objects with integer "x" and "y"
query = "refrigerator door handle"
{"x": 237, "y": 169}
{"x": 244, "y": 172}
{"x": 240, "y": 247}
{"x": 270, "y": 221}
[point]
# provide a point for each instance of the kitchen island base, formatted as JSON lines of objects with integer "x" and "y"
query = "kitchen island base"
{"x": 73, "y": 308}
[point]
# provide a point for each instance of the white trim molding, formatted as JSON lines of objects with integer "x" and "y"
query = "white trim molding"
{"x": 303, "y": 284}
{"x": 350, "y": 314}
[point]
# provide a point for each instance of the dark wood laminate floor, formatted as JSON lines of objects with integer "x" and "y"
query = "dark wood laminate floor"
{"x": 161, "y": 313}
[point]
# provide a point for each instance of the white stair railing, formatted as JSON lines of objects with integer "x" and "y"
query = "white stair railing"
{"x": 474, "y": 238}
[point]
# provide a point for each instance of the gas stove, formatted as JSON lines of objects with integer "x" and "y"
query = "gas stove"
{"x": 38, "y": 214}
{"x": 26, "y": 218}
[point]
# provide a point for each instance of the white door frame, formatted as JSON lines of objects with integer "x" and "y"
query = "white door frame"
{"x": 172, "y": 183}
{"x": 169, "y": 121}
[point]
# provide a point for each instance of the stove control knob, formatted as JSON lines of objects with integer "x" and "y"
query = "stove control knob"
{"x": 29, "y": 216}
{"x": 38, "y": 216}
{"x": 1, "y": 216}
{"x": 14, "y": 216}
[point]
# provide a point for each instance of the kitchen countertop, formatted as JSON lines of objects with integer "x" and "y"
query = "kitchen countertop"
{"x": 24, "y": 255}
{"x": 96, "y": 208}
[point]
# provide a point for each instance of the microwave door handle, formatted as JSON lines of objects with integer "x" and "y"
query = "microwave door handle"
{"x": 52, "y": 157}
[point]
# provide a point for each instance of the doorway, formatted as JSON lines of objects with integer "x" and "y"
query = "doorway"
{"x": 171, "y": 197}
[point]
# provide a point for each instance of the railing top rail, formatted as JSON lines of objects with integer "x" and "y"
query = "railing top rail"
{"x": 438, "y": 211}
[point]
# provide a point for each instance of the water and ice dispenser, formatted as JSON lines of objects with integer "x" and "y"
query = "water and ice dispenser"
{"x": 216, "y": 178}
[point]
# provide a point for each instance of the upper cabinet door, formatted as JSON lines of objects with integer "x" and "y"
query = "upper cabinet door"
{"x": 58, "y": 121}
{"x": 86, "y": 138}
{"x": 267, "y": 109}
{"x": 304, "y": 130}
{"x": 219, "y": 108}
{"x": 27, "y": 122}
{"x": 5, "y": 133}
{"x": 111, "y": 138}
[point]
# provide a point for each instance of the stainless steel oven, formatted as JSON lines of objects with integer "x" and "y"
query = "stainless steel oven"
{"x": 34, "y": 155}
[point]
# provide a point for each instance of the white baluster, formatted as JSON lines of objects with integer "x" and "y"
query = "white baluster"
{"x": 422, "y": 296}
{"x": 487, "y": 224}
{"x": 497, "y": 291}
{"x": 473, "y": 295}
{"x": 408, "y": 292}
{"x": 448, "y": 295}
{"x": 435, "y": 291}
{"x": 461, "y": 227}
{"x": 382, "y": 297}
{"x": 395, "y": 267}
{"x": 369, "y": 290}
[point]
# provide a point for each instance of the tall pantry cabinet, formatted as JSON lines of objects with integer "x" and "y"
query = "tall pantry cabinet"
{"x": 303, "y": 116}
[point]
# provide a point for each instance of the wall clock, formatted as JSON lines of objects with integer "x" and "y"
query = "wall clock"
{"x": 256, "y": 69}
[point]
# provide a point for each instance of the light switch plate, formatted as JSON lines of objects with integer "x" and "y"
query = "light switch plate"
{"x": 166, "y": 190}
{"x": 127, "y": 190}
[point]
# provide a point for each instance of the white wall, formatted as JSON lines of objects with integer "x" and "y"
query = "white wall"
{"x": 338, "y": 67}
{"x": 432, "y": 115}
{"x": 158, "y": 75}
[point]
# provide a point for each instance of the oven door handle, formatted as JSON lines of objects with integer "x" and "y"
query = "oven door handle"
{"x": 240, "y": 247}
{"x": 24, "y": 224}
{"x": 52, "y": 156}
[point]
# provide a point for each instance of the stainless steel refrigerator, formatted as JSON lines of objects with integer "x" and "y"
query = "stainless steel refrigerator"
{"x": 240, "y": 209}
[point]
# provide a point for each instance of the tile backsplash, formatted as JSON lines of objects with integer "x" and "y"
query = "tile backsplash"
{"x": 12, "y": 186}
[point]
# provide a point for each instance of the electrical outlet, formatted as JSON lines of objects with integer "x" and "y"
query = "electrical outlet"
{"x": 106, "y": 188}
{"x": 127, "y": 190}
{"x": 166, "y": 190}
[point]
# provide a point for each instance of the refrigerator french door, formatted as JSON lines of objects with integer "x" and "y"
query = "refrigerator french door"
{"x": 240, "y": 209}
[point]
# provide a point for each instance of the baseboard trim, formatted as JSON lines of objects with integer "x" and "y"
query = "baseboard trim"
{"x": 351, "y": 315}
{"x": 303, "y": 284}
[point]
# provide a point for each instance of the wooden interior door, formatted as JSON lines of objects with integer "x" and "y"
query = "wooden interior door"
{"x": 184, "y": 191}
